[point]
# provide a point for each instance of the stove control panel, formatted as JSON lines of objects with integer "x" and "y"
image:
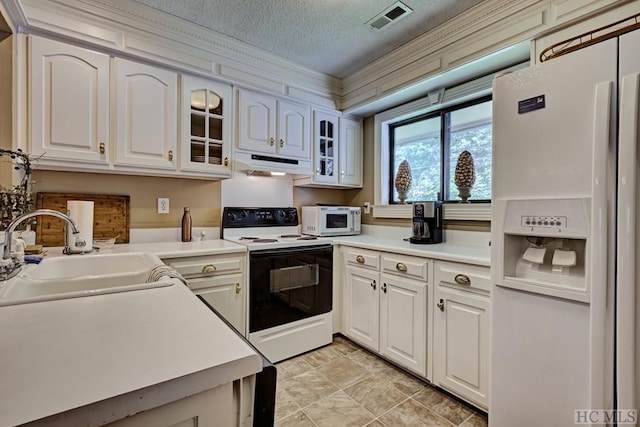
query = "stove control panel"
{"x": 258, "y": 217}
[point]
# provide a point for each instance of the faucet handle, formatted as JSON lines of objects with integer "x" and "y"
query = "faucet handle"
{"x": 17, "y": 251}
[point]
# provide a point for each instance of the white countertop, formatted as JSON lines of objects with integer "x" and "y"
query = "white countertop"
{"x": 456, "y": 250}
{"x": 64, "y": 354}
{"x": 175, "y": 249}
{"x": 459, "y": 246}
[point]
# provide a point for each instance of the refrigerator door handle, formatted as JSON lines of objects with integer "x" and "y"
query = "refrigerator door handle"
{"x": 599, "y": 244}
{"x": 626, "y": 276}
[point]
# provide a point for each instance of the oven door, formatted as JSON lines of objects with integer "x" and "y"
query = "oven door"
{"x": 289, "y": 284}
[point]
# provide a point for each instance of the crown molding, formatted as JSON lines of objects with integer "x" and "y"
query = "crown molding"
{"x": 493, "y": 28}
{"x": 14, "y": 14}
{"x": 490, "y": 26}
{"x": 469, "y": 26}
{"x": 128, "y": 28}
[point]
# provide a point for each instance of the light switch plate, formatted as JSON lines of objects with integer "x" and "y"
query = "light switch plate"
{"x": 163, "y": 205}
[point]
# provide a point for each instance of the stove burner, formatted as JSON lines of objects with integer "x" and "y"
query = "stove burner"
{"x": 290, "y": 236}
{"x": 247, "y": 238}
{"x": 307, "y": 238}
{"x": 264, "y": 240}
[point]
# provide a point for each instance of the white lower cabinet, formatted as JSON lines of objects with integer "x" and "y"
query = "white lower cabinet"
{"x": 213, "y": 407}
{"x": 403, "y": 322}
{"x": 225, "y": 294}
{"x": 461, "y": 331}
{"x": 386, "y": 313}
{"x": 385, "y": 308}
{"x": 220, "y": 280}
{"x": 362, "y": 306}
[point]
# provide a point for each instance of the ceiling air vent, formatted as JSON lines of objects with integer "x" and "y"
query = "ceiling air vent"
{"x": 393, "y": 13}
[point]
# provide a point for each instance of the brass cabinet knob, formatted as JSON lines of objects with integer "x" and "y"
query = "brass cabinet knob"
{"x": 342, "y": 173}
{"x": 238, "y": 288}
{"x": 226, "y": 161}
{"x": 272, "y": 141}
{"x": 208, "y": 269}
{"x": 103, "y": 148}
{"x": 401, "y": 267}
{"x": 360, "y": 259}
{"x": 462, "y": 279}
{"x": 170, "y": 155}
{"x": 384, "y": 288}
{"x": 373, "y": 285}
{"x": 282, "y": 142}
{"x": 440, "y": 305}
{"x": 317, "y": 171}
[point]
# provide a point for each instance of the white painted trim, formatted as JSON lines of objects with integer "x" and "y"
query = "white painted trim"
{"x": 452, "y": 211}
{"x": 127, "y": 28}
{"x": 14, "y": 14}
{"x": 482, "y": 31}
{"x": 470, "y": 90}
{"x": 486, "y": 28}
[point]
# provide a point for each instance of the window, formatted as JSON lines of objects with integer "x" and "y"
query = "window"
{"x": 431, "y": 142}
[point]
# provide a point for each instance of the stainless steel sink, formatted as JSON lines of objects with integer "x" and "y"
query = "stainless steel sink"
{"x": 80, "y": 276}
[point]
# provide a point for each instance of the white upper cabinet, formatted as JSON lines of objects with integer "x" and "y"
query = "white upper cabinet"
{"x": 69, "y": 103}
{"x": 350, "y": 159}
{"x": 326, "y": 143}
{"x": 207, "y": 109}
{"x": 294, "y": 123}
{"x": 273, "y": 126}
{"x": 146, "y": 117}
{"x": 256, "y": 122}
{"x": 337, "y": 151}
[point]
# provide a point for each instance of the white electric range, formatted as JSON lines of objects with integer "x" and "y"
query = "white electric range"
{"x": 290, "y": 280}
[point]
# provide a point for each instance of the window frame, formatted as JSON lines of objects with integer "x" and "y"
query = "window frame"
{"x": 445, "y": 146}
{"x": 433, "y": 101}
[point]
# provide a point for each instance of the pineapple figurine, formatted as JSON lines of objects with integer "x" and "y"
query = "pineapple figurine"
{"x": 465, "y": 175}
{"x": 403, "y": 180}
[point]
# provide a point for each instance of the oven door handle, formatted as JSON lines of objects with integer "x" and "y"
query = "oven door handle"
{"x": 262, "y": 253}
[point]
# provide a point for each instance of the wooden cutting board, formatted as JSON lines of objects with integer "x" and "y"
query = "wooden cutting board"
{"x": 110, "y": 217}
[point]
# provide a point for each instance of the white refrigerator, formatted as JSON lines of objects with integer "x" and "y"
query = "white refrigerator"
{"x": 565, "y": 321}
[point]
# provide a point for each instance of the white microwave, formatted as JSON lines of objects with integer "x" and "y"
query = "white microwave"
{"x": 330, "y": 220}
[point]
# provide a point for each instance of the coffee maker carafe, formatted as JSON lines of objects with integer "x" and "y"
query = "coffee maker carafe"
{"x": 427, "y": 222}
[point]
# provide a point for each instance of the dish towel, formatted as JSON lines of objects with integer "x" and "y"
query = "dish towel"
{"x": 161, "y": 270}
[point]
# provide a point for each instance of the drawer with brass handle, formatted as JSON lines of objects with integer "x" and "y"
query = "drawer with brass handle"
{"x": 469, "y": 276}
{"x": 205, "y": 266}
{"x": 404, "y": 265}
{"x": 362, "y": 258}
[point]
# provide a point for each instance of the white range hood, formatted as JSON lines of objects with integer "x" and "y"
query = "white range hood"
{"x": 247, "y": 162}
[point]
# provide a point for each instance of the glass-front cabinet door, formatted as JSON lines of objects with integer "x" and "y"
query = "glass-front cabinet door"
{"x": 206, "y": 127}
{"x": 326, "y": 147}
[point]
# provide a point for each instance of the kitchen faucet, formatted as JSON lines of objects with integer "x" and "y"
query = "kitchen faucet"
{"x": 9, "y": 269}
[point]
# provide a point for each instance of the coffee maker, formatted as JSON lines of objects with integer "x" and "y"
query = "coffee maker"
{"x": 427, "y": 222}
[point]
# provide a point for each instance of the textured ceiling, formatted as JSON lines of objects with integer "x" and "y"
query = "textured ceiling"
{"x": 324, "y": 35}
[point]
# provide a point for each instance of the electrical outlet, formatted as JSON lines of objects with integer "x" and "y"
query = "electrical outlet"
{"x": 163, "y": 205}
{"x": 367, "y": 207}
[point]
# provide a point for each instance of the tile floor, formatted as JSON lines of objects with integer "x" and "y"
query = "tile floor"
{"x": 344, "y": 385}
